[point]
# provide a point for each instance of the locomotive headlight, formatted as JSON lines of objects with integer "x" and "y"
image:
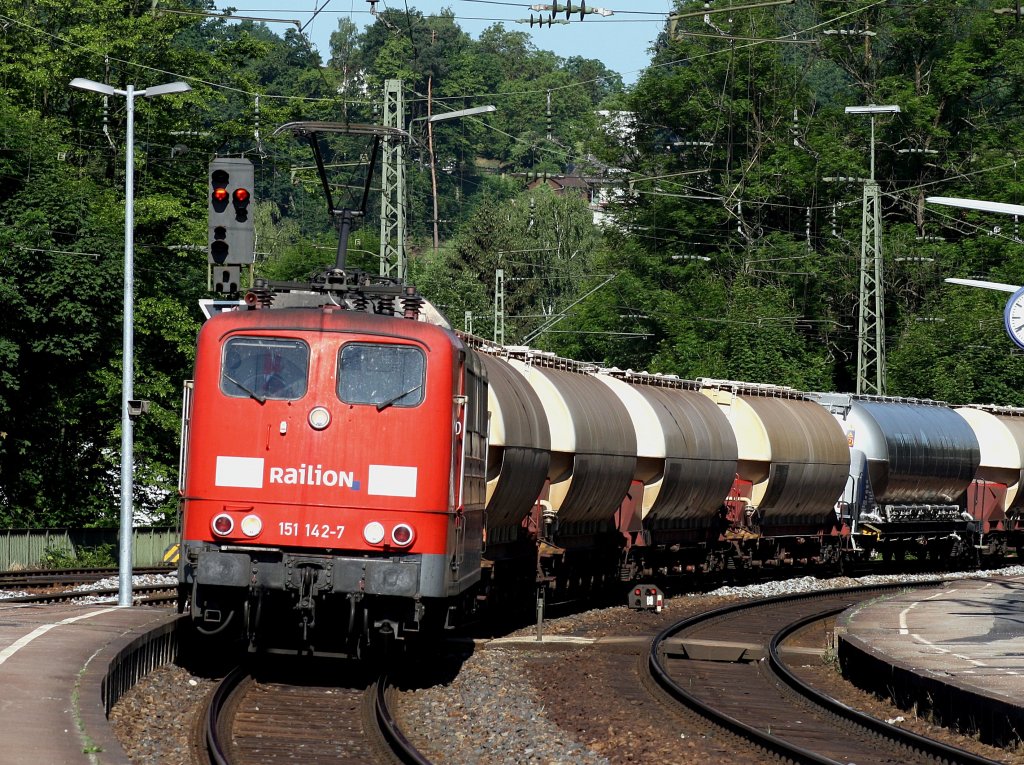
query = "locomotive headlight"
{"x": 373, "y": 532}
{"x": 252, "y": 525}
{"x": 319, "y": 418}
{"x": 222, "y": 524}
{"x": 402, "y": 535}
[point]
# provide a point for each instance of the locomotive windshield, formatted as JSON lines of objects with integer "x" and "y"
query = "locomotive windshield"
{"x": 385, "y": 375}
{"x": 264, "y": 368}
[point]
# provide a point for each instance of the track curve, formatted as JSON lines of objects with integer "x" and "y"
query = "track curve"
{"x": 734, "y": 674}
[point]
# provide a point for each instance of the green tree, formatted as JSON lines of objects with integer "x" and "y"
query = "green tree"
{"x": 544, "y": 244}
{"x": 62, "y": 234}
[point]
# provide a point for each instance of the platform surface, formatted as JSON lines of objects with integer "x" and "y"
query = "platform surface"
{"x": 967, "y": 632}
{"x": 46, "y": 652}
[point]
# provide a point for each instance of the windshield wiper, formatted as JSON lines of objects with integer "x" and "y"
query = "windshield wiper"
{"x": 388, "y": 402}
{"x": 252, "y": 393}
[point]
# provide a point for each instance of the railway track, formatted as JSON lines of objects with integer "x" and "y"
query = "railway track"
{"x": 53, "y": 585}
{"x": 48, "y": 577}
{"x": 337, "y": 716}
{"x": 729, "y": 665}
{"x": 145, "y": 594}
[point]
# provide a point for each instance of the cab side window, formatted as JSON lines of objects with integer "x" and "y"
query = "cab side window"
{"x": 384, "y": 375}
{"x": 264, "y": 368}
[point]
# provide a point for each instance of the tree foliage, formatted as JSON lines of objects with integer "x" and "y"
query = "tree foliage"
{"x": 62, "y": 205}
{"x": 742, "y": 147}
{"x": 730, "y": 246}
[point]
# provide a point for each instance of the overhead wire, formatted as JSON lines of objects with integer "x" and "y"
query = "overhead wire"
{"x": 552, "y": 151}
{"x": 335, "y": 98}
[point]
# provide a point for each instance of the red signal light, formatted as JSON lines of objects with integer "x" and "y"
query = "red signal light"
{"x": 241, "y": 196}
{"x": 220, "y": 194}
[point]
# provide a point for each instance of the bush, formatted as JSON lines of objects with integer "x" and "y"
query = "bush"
{"x": 101, "y": 556}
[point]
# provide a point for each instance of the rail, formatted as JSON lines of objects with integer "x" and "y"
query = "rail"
{"x": 228, "y": 697}
{"x": 778, "y": 743}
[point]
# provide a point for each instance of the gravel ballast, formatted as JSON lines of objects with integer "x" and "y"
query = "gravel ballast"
{"x": 574, "y": 703}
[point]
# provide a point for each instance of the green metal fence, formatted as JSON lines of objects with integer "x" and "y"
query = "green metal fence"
{"x": 25, "y": 548}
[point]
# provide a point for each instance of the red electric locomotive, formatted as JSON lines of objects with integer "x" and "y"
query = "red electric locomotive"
{"x": 334, "y": 470}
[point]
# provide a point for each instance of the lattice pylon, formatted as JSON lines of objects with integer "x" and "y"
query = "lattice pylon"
{"x": 392, "y": 195}
{"x": 871, "y": 324}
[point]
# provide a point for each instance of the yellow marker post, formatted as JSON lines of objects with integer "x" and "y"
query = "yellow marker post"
{"x": 172, "y": 553}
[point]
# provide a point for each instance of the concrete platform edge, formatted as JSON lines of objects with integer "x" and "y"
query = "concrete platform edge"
{"x": 994, "y": 720}
{"x": 112, "y": 671}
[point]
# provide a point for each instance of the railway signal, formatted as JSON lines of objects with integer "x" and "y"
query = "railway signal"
{"x": 232, "y": 235}
{"x": 646, "y": 597}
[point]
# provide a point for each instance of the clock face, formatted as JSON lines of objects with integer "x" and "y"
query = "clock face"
{"x": 1013, "y": 316}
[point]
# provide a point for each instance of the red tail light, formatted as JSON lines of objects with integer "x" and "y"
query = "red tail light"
{"x": 402, "y": 535}
{"x": 222, "y": 524}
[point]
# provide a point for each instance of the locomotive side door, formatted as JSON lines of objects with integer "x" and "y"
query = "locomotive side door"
{"x": 188, "y": 393}
{"x": 468, "y": 470}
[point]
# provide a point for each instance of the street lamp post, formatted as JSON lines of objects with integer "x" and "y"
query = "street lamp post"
{"x": 430, "y": 143}
{"x": 128, "y": 405}
{"x": 392, "y": 171}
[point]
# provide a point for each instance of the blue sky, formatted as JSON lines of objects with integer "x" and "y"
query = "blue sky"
{"x": 620, "y": 41}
